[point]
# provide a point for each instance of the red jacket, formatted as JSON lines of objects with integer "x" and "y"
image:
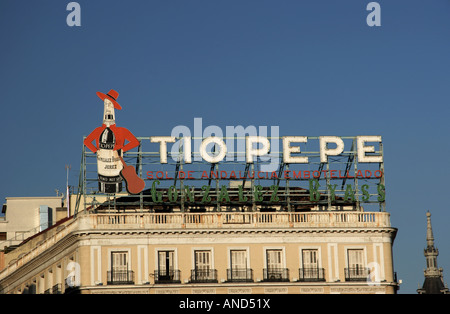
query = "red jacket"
{"x": 121, "y": 135}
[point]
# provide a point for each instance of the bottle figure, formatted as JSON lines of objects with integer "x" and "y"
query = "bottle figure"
{"x": 108, "y": 164}
{"x": 109, "y": 147}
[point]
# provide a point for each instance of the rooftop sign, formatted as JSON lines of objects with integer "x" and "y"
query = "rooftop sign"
{"x": 244, "y": 165}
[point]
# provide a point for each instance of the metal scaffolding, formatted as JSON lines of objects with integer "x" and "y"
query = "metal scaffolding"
{"x": 340, "y": 182}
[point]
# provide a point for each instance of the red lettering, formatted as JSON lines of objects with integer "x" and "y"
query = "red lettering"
{"x": 306, "y": 174}
{"x": 286, "y": 174}
{"x": 149, "y": 175}
{"x": 233, "y": 175}
{"x": 333, "y": 173}
{"x": 190, "y": 175}
{"x": 316, "y": 176}
{"x": 204, "y": 175}
{"x": 370, "y": 173}
{"x": 159, "y": 177}
{"x": 181, "y": 174}
{"x": 380, "y": 174}
{"x": 297, "y": 175}
{"x": 359, "y": 174}
{"x": 222, "y": 175}
{"x": 259, "y": 172}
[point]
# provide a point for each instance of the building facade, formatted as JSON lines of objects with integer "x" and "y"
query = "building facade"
{"x": 25, "y": 216}
{"x": 218, "y": 226}
{"x": 209, "y": 252}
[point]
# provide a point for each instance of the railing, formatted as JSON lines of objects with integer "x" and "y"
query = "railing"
{"x": 167, "y": 276}
{"x": 203, "y": 276}
{"x": 240, "y": 275}
{"x": 240, "y": 220}
{"x": 276, "y": 274}
{"x": 56, "y": 289}
{"x": 120, "y": 277}
{"x": 311, "y": 274}
{"x": 356, "y": 273}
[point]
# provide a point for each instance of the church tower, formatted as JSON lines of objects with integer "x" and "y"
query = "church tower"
{"x": 434, "y": 281}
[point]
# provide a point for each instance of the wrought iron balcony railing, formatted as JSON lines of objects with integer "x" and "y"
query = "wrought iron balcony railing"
{"x": 276, "y": 274}
{"x": 167, "y": 276}
{"x": 240, "y": 275}
{"x": 311, "y": 274}
{"x": 120, "y": 277}
{"x": 356, "y": 273}
{"x": 203, "y": 276}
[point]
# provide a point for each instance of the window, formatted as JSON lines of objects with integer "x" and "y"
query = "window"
{"x": 166, "y": 271}
{"x": 310, "y": 270}
{"x": 238, "y": 267}
{"x": 119, "y": 261}
{"x": 356, "y": 270}
{"x": 203, "y": 271}
{"x": 355, "y": 259}
{"x": 310, "y": 259}
{"x": 202, "y": 261}
{"x": 275, "y": 270}
{"x": 274, "y": 259}
{"x": 120, "y": 273}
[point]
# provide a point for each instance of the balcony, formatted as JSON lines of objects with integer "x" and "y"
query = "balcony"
{"x": 203, "y": 276}
{"x": 311, "y": 274}
{"x": 120, "y": 277}
{"x": 356, "y": 274}
{"x": 167, "y": 276}
{"x": 177, "y": 220}
{"x": 240, "y": 275}
{"x": 276, "y": 274}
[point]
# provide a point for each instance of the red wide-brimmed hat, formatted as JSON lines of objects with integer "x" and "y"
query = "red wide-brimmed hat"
{"x": 112, "y": 96}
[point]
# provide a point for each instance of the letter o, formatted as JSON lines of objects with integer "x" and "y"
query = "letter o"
{"x": 378, "y": 174}
{"x": 222, "y": 149}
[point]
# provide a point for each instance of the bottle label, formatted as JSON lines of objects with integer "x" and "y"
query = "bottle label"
{"x": 108, "y": 164}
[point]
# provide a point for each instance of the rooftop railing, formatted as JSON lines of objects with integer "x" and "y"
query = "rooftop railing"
{"x": 240, "y": 220}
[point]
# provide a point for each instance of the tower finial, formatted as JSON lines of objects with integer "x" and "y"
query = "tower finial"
{"x": 430, "y": 238}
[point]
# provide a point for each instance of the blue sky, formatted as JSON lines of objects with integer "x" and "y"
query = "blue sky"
{"x": 310, "y": 67}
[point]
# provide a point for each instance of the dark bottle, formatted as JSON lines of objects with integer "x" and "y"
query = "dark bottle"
{"x": 108, "y": 164}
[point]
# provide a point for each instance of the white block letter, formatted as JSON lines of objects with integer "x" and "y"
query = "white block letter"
{"x": 325, "y": 151}
{"x": 163, "y": 140}
{"x": 288, "y": 149}
{"x": 222, "y": 149}
{"x": 362, "y": 149}
{"x": 250, "y": 151}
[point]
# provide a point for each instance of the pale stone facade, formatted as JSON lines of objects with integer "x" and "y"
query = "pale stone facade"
{"x": 219, "y": 252}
